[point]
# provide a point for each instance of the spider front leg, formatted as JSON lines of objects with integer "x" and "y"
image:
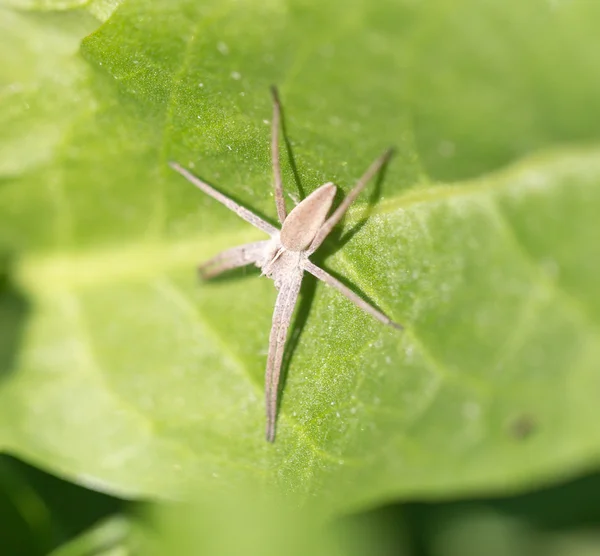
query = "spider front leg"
{"x": 275, "y": 125}
{"x": 350, "y": 198}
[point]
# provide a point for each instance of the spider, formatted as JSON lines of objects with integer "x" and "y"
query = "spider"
{"x": 285, "y": 256}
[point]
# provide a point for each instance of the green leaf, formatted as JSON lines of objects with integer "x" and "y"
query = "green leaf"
{"x": 106, "y": 538}
{"x": 39, "y": 511}
{"x": 263, "y": 527}
{"x": 27, "y": 527}
{"x": 129, "y": 375}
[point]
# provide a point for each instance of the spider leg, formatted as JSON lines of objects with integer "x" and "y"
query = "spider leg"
{"x": 339, "y": 212}
{"x": 241, "y": 211}
{"x": 319, "y": 273}
{"x": 282, "y": 315}
{"x": 275, "y": 125}
{"x": 232, "y": 258}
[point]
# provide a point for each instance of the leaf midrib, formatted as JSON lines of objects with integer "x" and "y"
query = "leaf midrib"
{"x": 42, "y": 274}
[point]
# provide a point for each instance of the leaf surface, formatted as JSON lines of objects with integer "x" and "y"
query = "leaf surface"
{"x": 127, "y": 374}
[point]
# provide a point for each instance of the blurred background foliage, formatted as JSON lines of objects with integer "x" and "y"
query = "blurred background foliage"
{"x": 41, "y": 514}
{"x": 477, "y": 87}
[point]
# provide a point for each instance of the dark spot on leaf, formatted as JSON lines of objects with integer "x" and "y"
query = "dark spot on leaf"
{"x": 523, "y": 426}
